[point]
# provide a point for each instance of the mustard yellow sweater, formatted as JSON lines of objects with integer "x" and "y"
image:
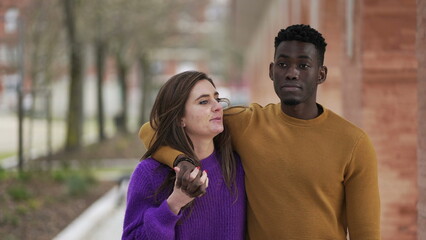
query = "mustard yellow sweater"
{"x": 305, "y": 179}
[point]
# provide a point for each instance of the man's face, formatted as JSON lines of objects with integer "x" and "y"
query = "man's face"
{"x": 296, "y": 72}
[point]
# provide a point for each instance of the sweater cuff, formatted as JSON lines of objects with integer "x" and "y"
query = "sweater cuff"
{"x": 166, "y": 216}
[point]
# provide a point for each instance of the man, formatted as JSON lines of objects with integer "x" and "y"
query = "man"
{"x": 310, "y": 174}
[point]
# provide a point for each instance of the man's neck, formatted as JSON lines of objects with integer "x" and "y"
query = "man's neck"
{"x": 302, "y": 111}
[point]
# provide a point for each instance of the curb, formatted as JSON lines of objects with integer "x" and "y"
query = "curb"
{"x": 91, "y": 217}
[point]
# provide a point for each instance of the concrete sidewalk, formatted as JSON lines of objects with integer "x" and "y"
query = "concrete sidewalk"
{"x": 110, "y": 227}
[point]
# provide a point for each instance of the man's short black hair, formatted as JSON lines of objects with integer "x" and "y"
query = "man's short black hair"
{"x": 303, "y": 33}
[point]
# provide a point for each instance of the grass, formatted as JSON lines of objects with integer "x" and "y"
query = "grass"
{"x": 5, "y": 155}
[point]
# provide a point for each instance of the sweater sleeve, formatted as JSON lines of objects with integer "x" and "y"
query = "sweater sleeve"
{"x": 362, "y": 192}
{"x": 236, "y": 120}
{"x": 165, "y": 155}
{"x": 144, "y": 219}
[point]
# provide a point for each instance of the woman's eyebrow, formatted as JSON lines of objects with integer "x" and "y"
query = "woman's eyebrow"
{"x": 206, "y": 95}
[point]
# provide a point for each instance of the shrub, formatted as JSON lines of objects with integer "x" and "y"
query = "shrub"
{"x": 78, "y": 183}
{"x": 18, "y": 193}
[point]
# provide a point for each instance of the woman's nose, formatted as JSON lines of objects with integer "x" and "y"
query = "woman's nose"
{"x": 217, "y": 106}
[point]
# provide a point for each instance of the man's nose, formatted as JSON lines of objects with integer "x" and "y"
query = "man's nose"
{"x": 292, "y": 73}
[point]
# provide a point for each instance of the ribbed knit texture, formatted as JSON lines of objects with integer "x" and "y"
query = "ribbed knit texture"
{"x": 305, "y": 179}
{"x": 216, "y": 215}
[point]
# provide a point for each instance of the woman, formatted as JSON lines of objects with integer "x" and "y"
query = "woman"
{"x": 187, "y": 115}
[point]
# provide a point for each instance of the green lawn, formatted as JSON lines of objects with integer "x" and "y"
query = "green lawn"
{"x": 4, "y": 155}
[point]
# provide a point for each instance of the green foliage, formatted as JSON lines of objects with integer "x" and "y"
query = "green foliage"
{"x": 59, "y": 176}
{"x": 18, "y": 193}
{"x": 25, "y": 176}
{"x": 22, "y": 209}
{"x": 76, "y": 182}
{"x": 3, "y": 173}
{"x": 76, "y": 185}
{"x": 34, "y": 203}
{"x": 7, "y": 218}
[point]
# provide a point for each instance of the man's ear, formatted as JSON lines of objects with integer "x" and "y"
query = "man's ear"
{"x": 271, "y": 70}
{"x": 322, "y": 74}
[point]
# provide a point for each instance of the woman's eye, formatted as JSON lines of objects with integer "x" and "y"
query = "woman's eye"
{"x": 218, "y": 99}
{"x": 204, "y": 102}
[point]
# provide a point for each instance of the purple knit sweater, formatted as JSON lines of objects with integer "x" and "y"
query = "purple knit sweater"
{"x": 216, "y": 215}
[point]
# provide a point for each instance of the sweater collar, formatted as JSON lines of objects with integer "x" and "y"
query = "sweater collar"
{"x": 210, "y": 160}
{"x": 302, "y": 122}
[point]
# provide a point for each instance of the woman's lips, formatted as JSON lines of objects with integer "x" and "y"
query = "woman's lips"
{"x": 216, "y": 119}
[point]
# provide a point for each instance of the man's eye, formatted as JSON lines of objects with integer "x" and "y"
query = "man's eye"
{"x": 304, "y": 65}
{"x": 282, "y": 64}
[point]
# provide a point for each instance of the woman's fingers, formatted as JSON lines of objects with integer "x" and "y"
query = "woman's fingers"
{"x": 204, "y": 177}
{"x": 194, "y": 174}
{"x": 200, "y": 188}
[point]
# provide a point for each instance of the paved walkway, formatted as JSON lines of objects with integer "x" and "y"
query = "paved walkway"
{"x": 110, "y": 227}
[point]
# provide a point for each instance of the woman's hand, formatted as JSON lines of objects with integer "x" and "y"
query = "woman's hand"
{"x": 178, "y": 199}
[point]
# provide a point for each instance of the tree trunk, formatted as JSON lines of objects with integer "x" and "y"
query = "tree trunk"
{"x": 145, "y": 89}
{"x": 100, "y": 67}
{"x": 75, "y": 105}
{"x": 31, "y": 116}
{"x": 20, "y": 97}
{"x": 49, "y": 127}
{"x": 121, "y": 118}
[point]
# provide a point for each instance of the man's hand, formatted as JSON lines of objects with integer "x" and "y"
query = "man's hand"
{"x": 190, "y": 180}
{"x": 178, "y": 199}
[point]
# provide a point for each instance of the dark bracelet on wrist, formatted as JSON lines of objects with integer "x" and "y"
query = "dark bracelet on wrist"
{"x": 188, "y": 159}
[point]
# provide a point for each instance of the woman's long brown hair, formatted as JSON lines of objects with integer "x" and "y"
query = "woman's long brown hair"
{"x": 165, "y": 118}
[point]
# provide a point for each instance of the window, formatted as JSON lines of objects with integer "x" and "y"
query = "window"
{"x": 11, "y": 20}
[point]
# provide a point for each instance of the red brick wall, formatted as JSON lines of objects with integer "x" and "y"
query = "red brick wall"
{"x": 352, "y": 67}
{"x": 388, "y": 95}
{"x": 332, "y": 27}
{"x": 421, "y": 76}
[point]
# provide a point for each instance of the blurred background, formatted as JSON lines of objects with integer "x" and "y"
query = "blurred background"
{"x": 78, "y": 79}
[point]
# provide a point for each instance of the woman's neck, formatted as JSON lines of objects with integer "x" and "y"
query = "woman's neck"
{"x": 203, "y": 148}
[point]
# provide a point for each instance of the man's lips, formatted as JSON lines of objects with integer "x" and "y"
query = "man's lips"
{"x": 291, "y": 87}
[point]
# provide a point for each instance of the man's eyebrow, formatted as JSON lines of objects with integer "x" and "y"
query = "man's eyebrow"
{"x": 301, "y": 56}
{"x": 206, "y": 95}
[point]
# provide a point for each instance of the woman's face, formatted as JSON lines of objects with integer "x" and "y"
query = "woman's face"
{"x": 203, "y": 113}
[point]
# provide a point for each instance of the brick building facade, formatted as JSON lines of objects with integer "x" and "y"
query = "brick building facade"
{"x": 421, "y": 90}
{"x": 372, "y": 81}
